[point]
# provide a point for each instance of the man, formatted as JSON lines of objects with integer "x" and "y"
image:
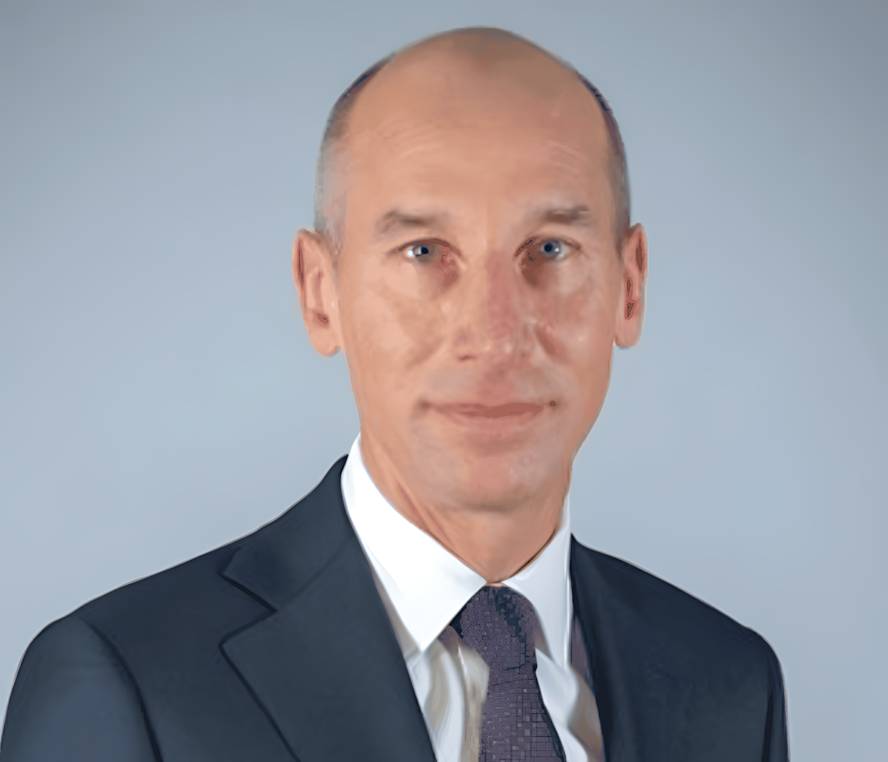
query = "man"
{"x": 473, "y": 258}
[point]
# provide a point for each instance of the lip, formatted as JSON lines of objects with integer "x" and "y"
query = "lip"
{"x": 493, "y": 426}
{"x": 504, "y": 410}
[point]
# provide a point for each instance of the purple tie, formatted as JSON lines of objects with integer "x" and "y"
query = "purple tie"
{"x": 499, "y": 623}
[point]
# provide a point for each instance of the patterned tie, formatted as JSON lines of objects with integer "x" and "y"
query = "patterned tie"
{"x": 499, "y": 623}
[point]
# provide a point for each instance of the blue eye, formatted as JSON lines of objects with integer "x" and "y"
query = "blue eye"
{"x": 547, "y": 247}
{"x": 422, "y": 248}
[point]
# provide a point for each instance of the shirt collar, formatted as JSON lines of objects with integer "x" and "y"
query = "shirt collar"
{"x": 427, "y": 585}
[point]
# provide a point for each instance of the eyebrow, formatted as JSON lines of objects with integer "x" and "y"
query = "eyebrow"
{"x": 396, "y": 219}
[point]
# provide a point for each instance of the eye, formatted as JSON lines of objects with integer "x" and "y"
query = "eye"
{"x": 419, "y": 250}
{"x": 550, "y": 248}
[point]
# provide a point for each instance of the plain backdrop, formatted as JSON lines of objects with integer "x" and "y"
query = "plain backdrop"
{"x": 160, "y": 396}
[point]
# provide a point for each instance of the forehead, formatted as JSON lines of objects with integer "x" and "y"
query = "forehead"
{"x": 445, "y": 133}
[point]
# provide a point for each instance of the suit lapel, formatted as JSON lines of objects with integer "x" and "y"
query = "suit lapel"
{"x": 642, "y": 703}
{"x": 325, "y": 665}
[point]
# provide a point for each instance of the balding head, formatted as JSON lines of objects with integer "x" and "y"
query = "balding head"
{"x": 488, "y": 52}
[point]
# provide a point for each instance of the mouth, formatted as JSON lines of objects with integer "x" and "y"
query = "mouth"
{"x": 493, "y": 423}
{"x": 505, "y": 410}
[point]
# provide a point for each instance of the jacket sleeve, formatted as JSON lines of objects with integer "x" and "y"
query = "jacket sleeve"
{"x": 776, "y": 742}
{"x": 73, "y": 699}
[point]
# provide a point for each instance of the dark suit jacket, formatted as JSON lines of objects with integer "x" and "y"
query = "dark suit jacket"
{"x": 276, "y": 647}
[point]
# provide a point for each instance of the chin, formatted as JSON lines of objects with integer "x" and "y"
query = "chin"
{"x": 507, "y": 473}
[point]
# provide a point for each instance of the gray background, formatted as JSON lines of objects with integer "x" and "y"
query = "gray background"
{"x": 160, "y": 397}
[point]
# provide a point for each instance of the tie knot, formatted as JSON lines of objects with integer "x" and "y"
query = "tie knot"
{"x": 499, "y": 623}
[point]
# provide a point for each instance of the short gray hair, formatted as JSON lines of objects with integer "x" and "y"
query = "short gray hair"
{"x": 330, "y": 224}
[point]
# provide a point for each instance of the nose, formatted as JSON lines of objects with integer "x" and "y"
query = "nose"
{"x": 494, "y": 314}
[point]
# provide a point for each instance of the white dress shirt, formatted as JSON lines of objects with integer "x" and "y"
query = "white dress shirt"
{"x": 423, "y": 586}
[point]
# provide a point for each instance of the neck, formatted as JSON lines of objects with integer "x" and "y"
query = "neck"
{"x": 496, "y": 541}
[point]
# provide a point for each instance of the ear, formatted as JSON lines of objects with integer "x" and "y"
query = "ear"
{"x": 315, "y": 281}
{"x": 630, "y": 303}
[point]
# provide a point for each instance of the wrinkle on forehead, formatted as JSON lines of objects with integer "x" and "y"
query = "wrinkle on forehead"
{"x": 411, "y": 148}
{"x": 394, "y": 130}
{"x": 562, "y": 137}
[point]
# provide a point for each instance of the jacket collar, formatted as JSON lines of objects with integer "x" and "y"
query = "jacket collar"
{"x": 327, "y": 668}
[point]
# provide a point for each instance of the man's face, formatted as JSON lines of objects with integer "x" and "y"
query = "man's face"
{"x": 485, "y": 301}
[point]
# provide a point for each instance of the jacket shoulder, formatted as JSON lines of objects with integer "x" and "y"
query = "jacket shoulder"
{"x": 172, "y": 610}
{"x": 74, "y": 699}
{"x": 692, "y": 632}
{"x": 735, "y": 671}
{"x": 161, "y": 590}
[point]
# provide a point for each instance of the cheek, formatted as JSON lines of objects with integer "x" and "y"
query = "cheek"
{"x": 579, "y": 327}
{"x": 392, "y": 333}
